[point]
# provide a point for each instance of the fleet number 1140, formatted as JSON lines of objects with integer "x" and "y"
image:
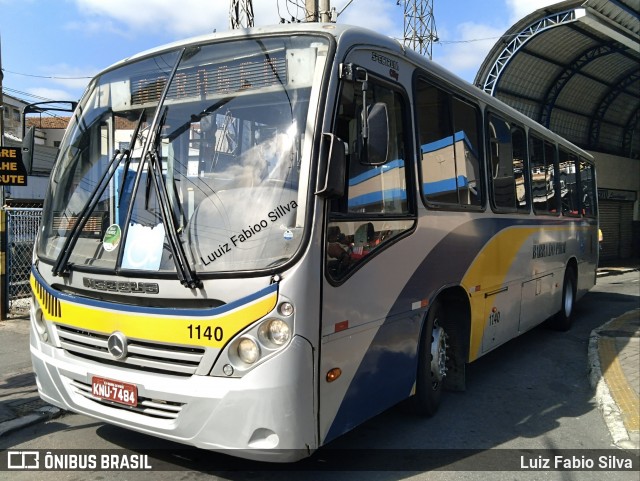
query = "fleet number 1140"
{"x": 205, "y": 332}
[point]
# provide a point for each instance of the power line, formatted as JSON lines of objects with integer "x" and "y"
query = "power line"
{"x": 302, "y": 13}
{"x": 45, "y": 76}
{"x": 27, "y": 94}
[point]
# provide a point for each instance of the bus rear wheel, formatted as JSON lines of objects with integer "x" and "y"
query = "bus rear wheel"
{"x": 563, "y": 319}
{"x": 432, "y": 359}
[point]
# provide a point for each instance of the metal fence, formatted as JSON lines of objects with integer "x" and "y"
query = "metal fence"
{"x": 22, "y": 228}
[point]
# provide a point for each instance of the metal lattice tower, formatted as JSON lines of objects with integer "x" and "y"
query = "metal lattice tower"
{"x": 419, "y": 26}
{"x": 241, "y": 14}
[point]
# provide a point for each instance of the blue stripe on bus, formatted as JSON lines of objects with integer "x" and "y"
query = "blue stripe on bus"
{"x": 378, "y": 197}
{"x": 159, "y": 311}
{"x": 447, "y": 142}
{"x": 446, "y": 185}
{"x": 374, "y": 172}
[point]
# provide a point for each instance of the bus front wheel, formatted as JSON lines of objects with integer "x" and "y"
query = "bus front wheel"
{"x": 432, "y": 359}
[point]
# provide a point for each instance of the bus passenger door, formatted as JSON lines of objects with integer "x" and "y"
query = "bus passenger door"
{"x": 366, "y": 357}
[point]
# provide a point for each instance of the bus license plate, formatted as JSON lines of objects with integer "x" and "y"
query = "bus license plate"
{"x": 116, "y": 391}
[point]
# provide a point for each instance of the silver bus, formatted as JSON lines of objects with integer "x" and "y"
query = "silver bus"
{"x": 254, "y": 241}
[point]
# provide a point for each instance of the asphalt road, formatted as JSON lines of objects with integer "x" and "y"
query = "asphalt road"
{"x": 531, "y": 394}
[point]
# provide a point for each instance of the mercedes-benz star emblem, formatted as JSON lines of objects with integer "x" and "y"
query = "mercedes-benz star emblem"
{"x": 117, "y": 345}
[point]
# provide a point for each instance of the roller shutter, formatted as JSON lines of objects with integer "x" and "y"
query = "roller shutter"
{"x": 616, "y": 222}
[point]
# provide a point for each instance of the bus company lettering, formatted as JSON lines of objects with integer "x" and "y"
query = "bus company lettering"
{"x": 549, "y": 249}
{"x": 384, "y": 60}
{"x": 250, "y": 231}
{"x": 121, "y": 286}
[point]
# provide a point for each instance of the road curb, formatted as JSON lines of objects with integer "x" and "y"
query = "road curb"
{"x": 45, "y": 413}
{"x": 607, "y": 405}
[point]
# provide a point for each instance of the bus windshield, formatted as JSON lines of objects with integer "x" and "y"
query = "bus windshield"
{"x": 196, "y": 151}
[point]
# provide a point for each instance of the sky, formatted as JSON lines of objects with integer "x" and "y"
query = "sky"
{"x": 51, "y": 48}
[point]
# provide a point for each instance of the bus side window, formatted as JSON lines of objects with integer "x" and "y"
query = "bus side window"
{"x": 503, "y": 181}
{"x": 588, "y": 188}
{"x": 520, "y": 168}
{"x": 375, "y": 207}
{"x": 507, "y": 165}
{"x": 448, "y": 129}
{"x": 569, "y": 184}
{"x": 543, "y": 181}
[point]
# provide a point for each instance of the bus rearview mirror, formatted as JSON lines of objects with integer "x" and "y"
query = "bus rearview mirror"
{"x": 376, "y": 151}
{"x": 28, "y": 143}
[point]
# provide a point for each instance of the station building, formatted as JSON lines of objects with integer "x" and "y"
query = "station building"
{"x": 574, "y": 67}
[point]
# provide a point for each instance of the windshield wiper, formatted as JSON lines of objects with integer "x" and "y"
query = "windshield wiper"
{"x": 186, "y": 274}
{"x": 61, "y": 267}
{"x": 129, "y": 152}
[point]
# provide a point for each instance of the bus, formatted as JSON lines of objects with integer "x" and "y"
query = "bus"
{"x": 254, "y": 241}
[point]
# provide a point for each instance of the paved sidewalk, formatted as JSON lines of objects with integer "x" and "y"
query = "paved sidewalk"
{"x": 20, "y": 404}
{"x": 614, "y": 358}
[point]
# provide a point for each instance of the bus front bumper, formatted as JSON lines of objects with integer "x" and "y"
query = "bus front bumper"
{"x": 267, "y": 415}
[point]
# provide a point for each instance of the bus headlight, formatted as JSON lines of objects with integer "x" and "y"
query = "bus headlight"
{"x": 257, "y": 343}
{"x": 39, "y": 322}
{"x": 248, "y": 350}
{"x": 286, "y": 309}
{"x": 278, "y": 332}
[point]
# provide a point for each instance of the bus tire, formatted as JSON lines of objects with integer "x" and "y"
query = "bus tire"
{"x": 564, "y": 318}
{"x": 432, "y": 358}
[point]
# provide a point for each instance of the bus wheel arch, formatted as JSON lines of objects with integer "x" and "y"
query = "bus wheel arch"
{"x": 443, "y": 349}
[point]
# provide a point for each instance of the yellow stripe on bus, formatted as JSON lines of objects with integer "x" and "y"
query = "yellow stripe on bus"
{"x": 490, "y": 268}
{"x": 214, "y": 331}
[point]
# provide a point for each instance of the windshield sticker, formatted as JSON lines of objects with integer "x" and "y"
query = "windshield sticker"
{"x": 288, "y": 235}
{"x": 143, "y": 248}
{"x": 250, "y": 232}
{"x": 111, "y": 238}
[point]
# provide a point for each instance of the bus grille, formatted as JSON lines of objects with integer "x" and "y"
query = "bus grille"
{"x": 156, "y": 408}
{"x": 156, "y": 357}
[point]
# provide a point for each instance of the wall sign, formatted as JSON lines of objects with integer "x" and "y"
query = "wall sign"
{"x": 615, "y": 194}
{"x": 12, "y": 171}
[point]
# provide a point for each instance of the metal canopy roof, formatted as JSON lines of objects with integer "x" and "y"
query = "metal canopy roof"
{"x": 575, "y": 68}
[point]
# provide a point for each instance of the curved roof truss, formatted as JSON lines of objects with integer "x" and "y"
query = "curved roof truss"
{"x": 575, "y": 68}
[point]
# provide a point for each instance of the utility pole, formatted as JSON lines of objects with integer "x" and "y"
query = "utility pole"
{"x": 241, "y": 14}
{"x": 4, "y": 292}
{"x": 1, "y": 101}
{"x": 318, "y": 10}
{"x": 311, "y": 7}
{"x": 419, "y": 26}
{"x": 324, "y": 10}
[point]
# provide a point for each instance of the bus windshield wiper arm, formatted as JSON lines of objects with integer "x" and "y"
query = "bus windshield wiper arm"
{"x": 150, "y": 151}
{"x": 186, "y": 275}
{"x": 129, "y": 152}
{"x": 61, "y": 266}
